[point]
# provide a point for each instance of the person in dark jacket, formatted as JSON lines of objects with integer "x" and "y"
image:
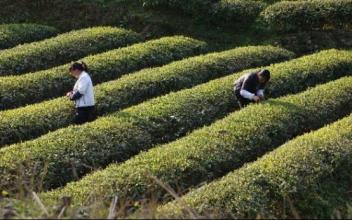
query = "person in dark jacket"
{"x": 250, "y": 87}
{"x": 82, "y": 94}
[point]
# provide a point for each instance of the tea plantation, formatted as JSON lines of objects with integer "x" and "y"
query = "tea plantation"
{"x": 169, "y": 139}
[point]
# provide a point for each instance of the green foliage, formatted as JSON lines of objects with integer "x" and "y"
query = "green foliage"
{"x": 290, "y": 174}
{"x": 229, "y": 143}
{"x": 119, "y": 136}
{"x": 309, "y": 15}
{"x": 126, "y": 133}
{"x": 63, "y": 48}
{"x": 188, "y": 6}
{"x": 69, "y": 15}
{"x": 15, "y": 34}
{"x": 234, "y": 12}
{"x": 35, "y": 87}
{"x": 242, "y": 12}
{"x": 34, "y": 120}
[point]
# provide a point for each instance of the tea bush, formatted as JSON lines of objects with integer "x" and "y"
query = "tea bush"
{"x": 188, "y": 6}
{"x": 234, "y": 12}
{"x": 15, "y": 34}
{"x": 308, "y": 15}
{"x": 63, "y": 48}
{"x": 243, "y": 12}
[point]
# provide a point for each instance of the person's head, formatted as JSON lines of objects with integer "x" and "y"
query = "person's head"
{"x": 77, "y": 68}
{"x": 264, "y": 76}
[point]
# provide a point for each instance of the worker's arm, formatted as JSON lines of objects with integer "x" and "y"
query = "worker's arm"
{"x": 260, "y": 93}
{"x": 75, "y": 95}
{"x": 247, "y": 95}
{"x": 83, "y": 85}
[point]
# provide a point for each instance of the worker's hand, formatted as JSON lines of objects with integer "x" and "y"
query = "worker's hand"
{"x": 256, "y": 98}
{"x": 69, "y": 94}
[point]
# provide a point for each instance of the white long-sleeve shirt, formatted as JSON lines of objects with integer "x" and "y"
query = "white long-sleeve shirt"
{"x": 84, "y": 86}
{"x": 248, "y": 95}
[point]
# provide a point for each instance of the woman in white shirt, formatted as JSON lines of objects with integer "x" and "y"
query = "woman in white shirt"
{"x": 82, "y": 94}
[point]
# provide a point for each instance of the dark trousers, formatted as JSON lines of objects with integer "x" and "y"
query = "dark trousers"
{"x": 242, "y": 102}
{"x": 85, "y": 114}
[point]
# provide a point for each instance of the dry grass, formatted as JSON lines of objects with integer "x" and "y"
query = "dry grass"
{"x": 29, "y": 205}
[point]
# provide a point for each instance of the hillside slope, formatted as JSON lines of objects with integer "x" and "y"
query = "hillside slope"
{"x": 155, "y": 22}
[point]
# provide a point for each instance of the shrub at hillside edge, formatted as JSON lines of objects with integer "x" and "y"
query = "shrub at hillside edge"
{"x": 309, "y": 15}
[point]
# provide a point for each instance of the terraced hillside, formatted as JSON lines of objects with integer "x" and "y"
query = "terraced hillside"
{"x": 170, "y": 140}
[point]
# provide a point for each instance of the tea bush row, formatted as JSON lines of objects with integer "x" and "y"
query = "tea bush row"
{"x": 14, "y": 34}
{"x": 63, "y": 48}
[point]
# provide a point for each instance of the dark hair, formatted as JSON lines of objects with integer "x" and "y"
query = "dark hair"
{"x": 81, "y": 66}
{"x": 265, "y": 74}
